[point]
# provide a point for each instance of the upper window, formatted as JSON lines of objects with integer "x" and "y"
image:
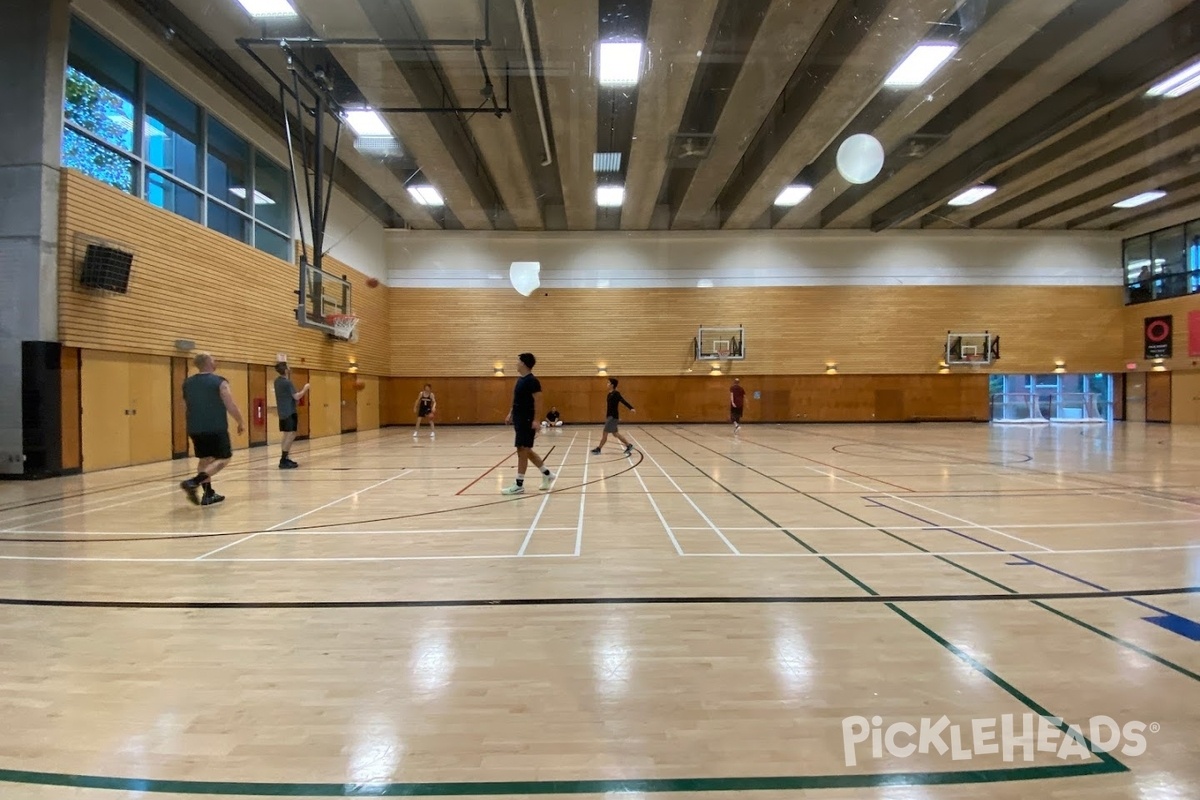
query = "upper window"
{"x": 172, "y": 131}
{"x": 1163, "y": 264}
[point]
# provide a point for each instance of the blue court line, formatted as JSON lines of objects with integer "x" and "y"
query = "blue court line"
{"x": 1026, "y": 561}
{"x": 1177, "y": 624}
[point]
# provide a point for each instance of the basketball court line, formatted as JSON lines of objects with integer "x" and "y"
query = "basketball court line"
{"x": 692, "y": 503}
{"x": 486, "y": 472}
{"x": 661, "y": 518}
{"x": 587, "y": 457}
{"x": 546, "y": 499}
{"x": 302, "y": 516}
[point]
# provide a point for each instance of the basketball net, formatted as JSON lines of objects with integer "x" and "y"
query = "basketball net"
{"x": 345, "y": 326}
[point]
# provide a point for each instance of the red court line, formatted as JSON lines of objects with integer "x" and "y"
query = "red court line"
{"x": 485, "y": 473}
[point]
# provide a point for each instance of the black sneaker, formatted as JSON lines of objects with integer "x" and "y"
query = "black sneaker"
{"x": 628, "y": 449}
{"x": 211, "y": 499}
{"x": 288, "y": 464}
{"x": 596, "y": 451}
{"x": 191, "y": 489}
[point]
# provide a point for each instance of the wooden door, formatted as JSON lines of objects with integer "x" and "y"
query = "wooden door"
{"x": 1158, "y": 397}
{"x": 326, "y": 404}
{"x": 104, "y": 401}
{"x": 349, "y": 396}
{"x": 179, "y": 437}
{"x": 238, "y": 384}
{"x": 304, "y": 407}
{"x": 259, "y": 389}
{"x": 1185, "y": 398}
{"x": 368, "y": 403}
{"x": 1135, "y": 397}
{"x": 150, "y": 409}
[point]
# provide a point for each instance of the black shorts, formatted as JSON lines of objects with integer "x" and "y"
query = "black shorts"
{"x": 525, "y": 433}
{"x": 735, "y": 413}
{"x": 212, "y": 445}
{"x": 290, "y": 423}
{"x": 422, "y": 413}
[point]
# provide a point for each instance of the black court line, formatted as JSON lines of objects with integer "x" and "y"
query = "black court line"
{"x": 518, "y": 602}
{"x": 5, "y": 539}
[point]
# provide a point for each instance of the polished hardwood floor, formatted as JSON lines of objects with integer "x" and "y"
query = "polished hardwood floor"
{"x": 706, "y": 617}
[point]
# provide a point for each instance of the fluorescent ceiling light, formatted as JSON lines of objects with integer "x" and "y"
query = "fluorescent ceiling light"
{"x": 1141, "y": 199}
{"x": 972, "y": 195}
{"x": 606, "y": 162}
{"x": 1178, "y": 84}
{"x": 922, "y": 62}
{"x": 426, "y": 195}
{"x": 365, "y": 122}
{"x": 792, "y": 195}
{"x": 620, "y": 63}
{"x": 260, "y": 199}
{"x": 266, "y": 9}
{"x": 610, "y": 196}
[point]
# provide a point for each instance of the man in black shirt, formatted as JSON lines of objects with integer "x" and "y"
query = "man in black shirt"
{"x": 523, "y": 418}
{"x": 553, "y": 418}
{"x": 208, "y": 401}
{"x": 612, "y": 418}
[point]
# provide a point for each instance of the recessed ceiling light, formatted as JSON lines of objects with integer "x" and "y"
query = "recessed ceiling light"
{"x": 260, "y": 199}
{"x": 366, "y": 122}
{"x": 1178, "y": 84}
{"x": 620, "y": 63}
{"x": 610, "y": 196}
{"x": 266, "y": 9}
{"x": 606, "y": 162}
{"x": 922, "y": 62}
{"x": 426, "y": 195}
{"x": 972, "y": 195}
{"x": 1141, "y": 199}
{"x": 792, "y": 195}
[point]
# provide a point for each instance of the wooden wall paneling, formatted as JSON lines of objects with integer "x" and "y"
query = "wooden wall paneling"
{"x": 349, "y": 403}
{"x": 150, "y": 405}
{"x": 1185, "y": 398}
{"x": 239, "y": 383}
{"x": 104, "y": 398}
{"x": 304, "y": 407}
{"x": 1158, "y": 397}
{"x": 1133, "y": 325}
{"x": 789, "y": 330}
{"x": 368, "y": 403}
{"x": 259, "y": 388}
{"x": 171, "y": 253}
{"x": 274, "y": 435}
{"x": 72, "y": 442}
{"x": 179, "y": 437}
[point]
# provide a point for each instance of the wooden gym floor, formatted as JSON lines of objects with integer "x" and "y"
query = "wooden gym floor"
{"x": 697, "y": 619}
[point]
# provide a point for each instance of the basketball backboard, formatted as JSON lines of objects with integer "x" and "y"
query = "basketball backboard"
{"x": 721, "y": 343}
{"x": 971, "y": 349}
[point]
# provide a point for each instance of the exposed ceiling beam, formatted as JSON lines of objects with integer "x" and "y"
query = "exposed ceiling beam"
{"x": 1169, "y": 174}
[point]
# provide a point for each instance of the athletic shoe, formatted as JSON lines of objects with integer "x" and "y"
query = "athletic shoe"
{"x": 212, "y": 499}
{"x": 288, "y": 464}
{"x": 628, "y": 449}
{"x": 547, "y": 482}
{"x": 596, "y": 451}
{"x": 415, "y": 434}
{"x": 432, "y": 434}
{"x": 190, "y": 488}
{"x": 514, "y": 489}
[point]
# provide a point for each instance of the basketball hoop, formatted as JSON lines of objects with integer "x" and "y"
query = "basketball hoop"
{"x": 345, "y": 326}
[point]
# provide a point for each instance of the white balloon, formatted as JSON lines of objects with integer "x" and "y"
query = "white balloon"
{"x": 860, "y": 158}
{"x": 524, "y": 276}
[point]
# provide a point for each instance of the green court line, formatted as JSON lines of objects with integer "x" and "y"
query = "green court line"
{"x": 646, "y": 786}
{"x": 1062, "y": 614}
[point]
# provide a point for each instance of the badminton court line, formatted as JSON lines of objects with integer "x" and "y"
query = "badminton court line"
{"x": 587, "y": 456}
{"x": 546, "y": 499}
{"x": 679, "y": 489}
{"x": 298, "y": 517}
{"x": 661, "y": 518}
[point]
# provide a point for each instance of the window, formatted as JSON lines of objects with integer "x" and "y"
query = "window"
{"x": 1164, "y": 263}
{"x": 129, "y": 128}
{"x": 1138, "y": 272}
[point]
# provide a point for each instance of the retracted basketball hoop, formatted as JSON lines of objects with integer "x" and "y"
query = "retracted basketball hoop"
{"x": 345, "y": 326}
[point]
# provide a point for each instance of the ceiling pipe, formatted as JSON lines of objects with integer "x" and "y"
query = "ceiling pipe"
{"x": 533, "y": 81}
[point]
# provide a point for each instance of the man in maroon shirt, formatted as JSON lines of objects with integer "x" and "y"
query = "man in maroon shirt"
{"x": 737, "y": 401}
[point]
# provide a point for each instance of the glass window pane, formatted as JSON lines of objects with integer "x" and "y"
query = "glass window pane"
{"x": 1137, "y": 269}
{"x": 228, "y": 222}
{"x": 272, "y": 201}
{"x": 100, "y": 87}
{"x": 94, "y": 159}
{"x": 271, "y": 242}
{"x": 172, "y": 131}
{"x": 228, "y": 166}
{"x": 165, "y": 193}
{"x": 1167, "y": 252}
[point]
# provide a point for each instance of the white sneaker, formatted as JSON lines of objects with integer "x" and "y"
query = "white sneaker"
{"x": 415, "y": 434}
{"x": 547, "y": 482}
{"x": 432, "y": 434}
{"x": 514, "y": 489}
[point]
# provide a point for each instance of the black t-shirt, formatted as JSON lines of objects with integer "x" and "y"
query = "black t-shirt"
{"x": 614, "y": 398}
{"x": 524, "y": 390}
{"x": 552, "y": 416}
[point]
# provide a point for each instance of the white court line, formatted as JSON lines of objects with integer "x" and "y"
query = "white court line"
{"x": 488, "y": 439}
{"x": 970, "y": 526}
{"x": 546, "y": 499}
{"x": 932, "y": 510}
{"x": 662, "y": 519}
{"x": 302, "y": 516}
{"x": 582, "y": 496}
{"x": 703, "y": 516}
{"x": 321, "y": 559}
{"x": 193, "y": 534}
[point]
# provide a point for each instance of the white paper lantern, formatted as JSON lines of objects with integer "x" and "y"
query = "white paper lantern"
{"x": 524, "y": 276}
{"x": 860, "y": 158}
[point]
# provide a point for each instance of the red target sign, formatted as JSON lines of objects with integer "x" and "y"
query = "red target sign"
{"x": 1158, "y": 337}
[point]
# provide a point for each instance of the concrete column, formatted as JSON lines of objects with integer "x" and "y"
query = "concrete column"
{"x": 33, "y": 60}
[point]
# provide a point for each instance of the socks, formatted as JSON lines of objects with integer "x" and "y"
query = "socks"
{"x": 201, "y": 477}
{"x": 208, "y": 490}
{"x": 283, "y": 456}
{"x": 520, "y": 480}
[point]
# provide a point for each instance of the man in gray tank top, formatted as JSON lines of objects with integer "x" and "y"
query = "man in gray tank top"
{"x": 208, "y": 399}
